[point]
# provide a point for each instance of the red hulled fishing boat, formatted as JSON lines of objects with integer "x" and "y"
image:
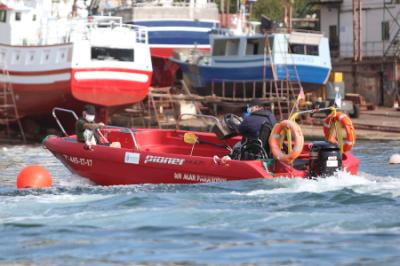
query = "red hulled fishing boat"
{"x": 68, "y": 58}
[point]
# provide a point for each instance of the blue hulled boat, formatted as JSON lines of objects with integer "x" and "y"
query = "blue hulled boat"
{"x": 248, "y": 57}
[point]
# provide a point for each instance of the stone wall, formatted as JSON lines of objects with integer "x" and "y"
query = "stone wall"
{"x": 373, "y": 78}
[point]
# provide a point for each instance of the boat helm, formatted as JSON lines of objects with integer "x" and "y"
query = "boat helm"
{"x": 233, "y": 121}
{"x": 228, "y": 128}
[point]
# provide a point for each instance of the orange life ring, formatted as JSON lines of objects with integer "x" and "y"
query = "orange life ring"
{"x": 275, "y": 141}
{"x": 346, "y": 124}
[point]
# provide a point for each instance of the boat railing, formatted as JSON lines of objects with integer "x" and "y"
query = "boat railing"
{"x": 244, "y": 31}
{"x": 114, "y": 23}
{"x": 121, "y": 129}
{"x": 56, "y": 31}
{"x": 288, "y": 31}
{"x": 156, "y": 3}
{"x": 201, "y": 116}
{"x": 58, "y": 120}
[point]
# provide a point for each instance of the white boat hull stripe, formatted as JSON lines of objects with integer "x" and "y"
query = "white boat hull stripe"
{"x": 110, "y": 75}
{"x": 42, "y": 79}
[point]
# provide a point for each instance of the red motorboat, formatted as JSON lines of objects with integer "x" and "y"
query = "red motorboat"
{"x": 159, "y": 156}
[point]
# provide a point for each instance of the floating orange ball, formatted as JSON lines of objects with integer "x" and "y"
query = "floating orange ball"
{"x": 34, "y": 176}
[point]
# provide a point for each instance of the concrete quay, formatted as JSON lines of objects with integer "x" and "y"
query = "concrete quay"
{"x": 380, "y": 124}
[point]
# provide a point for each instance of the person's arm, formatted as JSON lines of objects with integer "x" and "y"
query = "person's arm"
{"x": 93, "y": 125}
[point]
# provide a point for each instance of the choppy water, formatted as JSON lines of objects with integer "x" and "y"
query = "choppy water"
{"x": 341, "y": 220}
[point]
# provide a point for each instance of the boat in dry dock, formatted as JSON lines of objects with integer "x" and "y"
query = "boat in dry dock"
{"x": 160, "y": 156}
{"x": 171, "y": 25}
{"x": 68, "y": 58}
{"x": 243, "y": 55}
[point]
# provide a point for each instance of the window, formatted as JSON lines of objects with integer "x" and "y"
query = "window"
{"x": 31, "y": 56}
{"x": 17, "y": 16}
{"x": 219, "y": 47}
{"x": 45, "y": 57}
{"x": 304, "y": 49}
{"x": 312, "y": 50}
{"x": 112, "y": 54}
{"x": 297, "y": 48}
{"x": 16, "y": 57}
{"x": 385, "y": 31}
{"x": 3, "y": 16}
{"x": 232, "y": 47}
{"x": 333, "y": 37}
{"x": 61, "y": 58}
{"x": 255, "y": 46}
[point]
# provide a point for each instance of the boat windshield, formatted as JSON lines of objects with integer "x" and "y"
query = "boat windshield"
{"x": 223, "y": 47}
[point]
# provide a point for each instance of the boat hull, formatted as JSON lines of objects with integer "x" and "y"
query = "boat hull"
{"x": 201, "y": 77}
{"x": 40, "y": 99}
{"x": 110, "y": 87}
{"x": 162, "y": 157}
{"x": 167, "y": 35}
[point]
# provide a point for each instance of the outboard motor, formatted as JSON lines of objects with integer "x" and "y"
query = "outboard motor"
{"x": 325, "y": 159}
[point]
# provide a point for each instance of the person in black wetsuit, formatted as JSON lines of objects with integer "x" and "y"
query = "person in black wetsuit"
{"x": 258, "y": 118}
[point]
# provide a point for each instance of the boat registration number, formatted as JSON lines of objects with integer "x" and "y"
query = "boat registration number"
{"x": 79, "y": 160}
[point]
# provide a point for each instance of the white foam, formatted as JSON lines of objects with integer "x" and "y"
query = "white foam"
{"x": 362, "y": 183}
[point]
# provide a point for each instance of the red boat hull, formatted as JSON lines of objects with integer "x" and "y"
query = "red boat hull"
{"x": 162, "y": 157}
{"x": 110, "y": 87}
{"x": 37, "y": 94}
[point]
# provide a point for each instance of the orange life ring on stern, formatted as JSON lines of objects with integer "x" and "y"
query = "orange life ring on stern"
{"x": 346, "y": 124}
{"x": 276, "y": 141}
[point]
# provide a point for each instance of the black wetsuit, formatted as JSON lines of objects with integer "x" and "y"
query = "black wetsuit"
{"x": 251, "y": 125}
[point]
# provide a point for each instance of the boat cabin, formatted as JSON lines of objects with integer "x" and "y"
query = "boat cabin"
{"x": 13, "y": 24}
{"x": 306, "y": 44}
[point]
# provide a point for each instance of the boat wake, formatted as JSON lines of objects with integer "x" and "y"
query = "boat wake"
{"x": 363, "y": 183}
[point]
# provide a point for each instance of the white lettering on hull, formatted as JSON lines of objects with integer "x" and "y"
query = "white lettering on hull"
{"x": 163, "y": 160}
{"x": 198, "y": 178}
{"x": 78, "y": 160}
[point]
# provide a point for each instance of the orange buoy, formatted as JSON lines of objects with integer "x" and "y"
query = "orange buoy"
{"x": 34, "y": 176}
{"x": 345, "y": 122}
{"x": 275, "y": 142}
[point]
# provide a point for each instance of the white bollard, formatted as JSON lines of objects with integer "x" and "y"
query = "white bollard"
{"x": 394, "y": 159}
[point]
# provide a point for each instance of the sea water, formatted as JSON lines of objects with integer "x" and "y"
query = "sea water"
{"x": 339, "y": 220}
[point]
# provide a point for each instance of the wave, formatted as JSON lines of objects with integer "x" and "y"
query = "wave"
{"x": 362, "y": 183}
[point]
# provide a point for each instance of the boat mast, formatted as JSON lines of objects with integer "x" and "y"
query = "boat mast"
{"x": 74, "y": 8}
{"x": 191, "y": 8}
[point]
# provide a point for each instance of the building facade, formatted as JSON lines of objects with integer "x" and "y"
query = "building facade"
{"x": 371, "y": 66}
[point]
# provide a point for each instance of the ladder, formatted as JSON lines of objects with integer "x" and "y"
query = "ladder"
{"x": 8, "y": 106}
{"x": 137, "y": 112}
{"x": 161, "y": 106}
{"x": 287, "y": 89}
